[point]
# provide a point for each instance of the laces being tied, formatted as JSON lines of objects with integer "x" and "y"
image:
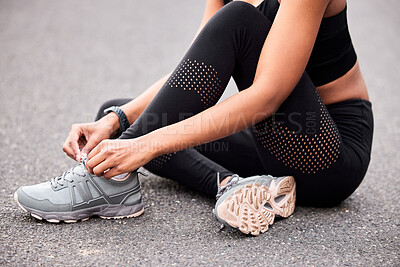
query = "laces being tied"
{"x": 222, "y": 189}
{"x": 68, "y": 176}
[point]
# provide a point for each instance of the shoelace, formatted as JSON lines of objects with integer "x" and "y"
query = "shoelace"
{"x": 60, "y": 180}
{"x": 222, "y": 189}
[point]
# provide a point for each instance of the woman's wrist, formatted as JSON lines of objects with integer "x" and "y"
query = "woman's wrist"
{"x": 151, "y": 144}
{"x": 111, "y": 122}
{"x": 165, "y": 140}
{"x": 132, "y": 110}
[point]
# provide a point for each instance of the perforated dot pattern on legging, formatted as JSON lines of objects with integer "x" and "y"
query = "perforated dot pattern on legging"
{"x": 161, "y": 160}
{"x": 307, "y": 153}
{"x": 192, "y": 75}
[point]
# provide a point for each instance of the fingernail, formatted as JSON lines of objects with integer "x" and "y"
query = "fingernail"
{"x": 77, "y": 158}
{"x": 84, "y": 154}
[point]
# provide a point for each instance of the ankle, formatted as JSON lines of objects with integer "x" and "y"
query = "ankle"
{"x": 225, "y": 180}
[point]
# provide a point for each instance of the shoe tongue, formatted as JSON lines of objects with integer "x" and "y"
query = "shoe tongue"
{"x": 78, "y": 169}
{"x": 81, "y": 168}
{"x": 235, "y": 179}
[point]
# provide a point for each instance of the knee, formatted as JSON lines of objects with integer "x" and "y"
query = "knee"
{"x": 235, "y": 19}
{"x": 239, "y": 8}
{"x": 236, "y": 15}
{"x": 243, "y": 13}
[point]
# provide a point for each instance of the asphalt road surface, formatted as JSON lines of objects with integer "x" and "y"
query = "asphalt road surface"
{"x": 59, "y": 60}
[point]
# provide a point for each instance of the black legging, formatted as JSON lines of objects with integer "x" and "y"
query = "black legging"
{"x": 326, "y": 149}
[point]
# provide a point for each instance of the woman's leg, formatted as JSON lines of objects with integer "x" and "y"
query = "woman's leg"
{"x": 197, "y": 167}
{"x": 196, "y": 85}
{"x": 300, "y": 139}
{"x": 229, "y": 45}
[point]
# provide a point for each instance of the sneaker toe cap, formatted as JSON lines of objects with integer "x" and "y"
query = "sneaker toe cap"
{"x": 32, "y": 198}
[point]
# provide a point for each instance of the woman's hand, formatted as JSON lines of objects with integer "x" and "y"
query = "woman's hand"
{"x": 113, "y": 157}
{"x": 84, "y": 137}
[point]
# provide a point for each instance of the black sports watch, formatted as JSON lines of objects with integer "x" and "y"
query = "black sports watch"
{"x": 123, "y": 120}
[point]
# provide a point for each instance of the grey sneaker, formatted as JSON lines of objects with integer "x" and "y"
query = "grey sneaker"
{"x": 251, "y": 204}
{"x": 78, "y": 195}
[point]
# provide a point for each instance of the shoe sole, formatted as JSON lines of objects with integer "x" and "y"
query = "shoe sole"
{"x": 103, "y": 211}
{"x": 253, "y": 208}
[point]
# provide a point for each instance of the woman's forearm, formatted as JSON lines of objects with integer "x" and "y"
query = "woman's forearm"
{"x": 232, "y": 115}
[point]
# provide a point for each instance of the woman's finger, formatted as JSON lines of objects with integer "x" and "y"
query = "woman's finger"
{"x": 76, "y": 151}
{"x": 67, "y": 150}
{"x": 112, "y": 172}
{"x": 96, "y": 150}
{"x": 100, "y": 168}
{"x": 71, "y": 146}
{"x": 91, "y": 143}
{"x": 92, "y": 162}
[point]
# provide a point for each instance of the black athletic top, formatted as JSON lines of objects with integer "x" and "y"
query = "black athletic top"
{"x": 333, "y": 53}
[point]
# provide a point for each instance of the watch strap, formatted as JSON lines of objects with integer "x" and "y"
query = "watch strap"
{"x": 123, "y": 120}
